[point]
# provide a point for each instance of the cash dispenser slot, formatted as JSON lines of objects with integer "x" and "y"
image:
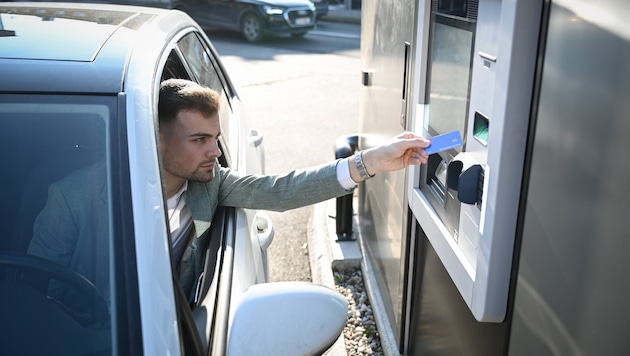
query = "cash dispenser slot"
{"x": 437, "y": 174}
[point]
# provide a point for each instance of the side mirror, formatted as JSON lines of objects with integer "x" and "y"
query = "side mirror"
{"x": 287, "y": 318}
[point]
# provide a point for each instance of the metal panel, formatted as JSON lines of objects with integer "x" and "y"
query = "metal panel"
{"x": 387, "y": 25}
{"x": 442, "y": 324}
{"x": 573, "y": 287}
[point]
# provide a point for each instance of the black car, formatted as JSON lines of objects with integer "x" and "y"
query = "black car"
{"x": 255, "y": 19}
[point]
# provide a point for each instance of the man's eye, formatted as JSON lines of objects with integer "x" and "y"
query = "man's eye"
{"x": 199, "y": 139}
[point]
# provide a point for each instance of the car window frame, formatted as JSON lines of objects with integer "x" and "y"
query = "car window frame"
{"x": 192, "y": 331}
{"x": 229, "y": 137}
{"x": 229, "y": 121}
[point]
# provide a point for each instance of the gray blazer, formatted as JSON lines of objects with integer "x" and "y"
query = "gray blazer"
{"x": 73, "y": 227}
{"x": 277, "y": 193}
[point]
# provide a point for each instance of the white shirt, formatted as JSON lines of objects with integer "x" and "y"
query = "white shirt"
{"x": 180, "y": 222}
{"x": 343, "y": 174}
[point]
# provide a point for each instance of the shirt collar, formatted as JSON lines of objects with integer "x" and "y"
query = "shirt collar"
{"x": 172, "y": 201}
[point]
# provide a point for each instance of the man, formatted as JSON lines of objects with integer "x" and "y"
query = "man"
{"x": 189, "y": 132}
{"x": 195, "y": 185}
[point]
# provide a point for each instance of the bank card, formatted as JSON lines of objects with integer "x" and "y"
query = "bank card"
{"x": 444, "y": 142}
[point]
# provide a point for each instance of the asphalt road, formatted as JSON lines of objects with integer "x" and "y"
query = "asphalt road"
{"x": 302, "y": 94}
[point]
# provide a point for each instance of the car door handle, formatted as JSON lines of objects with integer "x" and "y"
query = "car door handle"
{"x": 256, "y": 137}
{"x": 265, "y": 230}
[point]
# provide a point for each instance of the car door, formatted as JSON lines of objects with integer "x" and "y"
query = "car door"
{"x": 225, "y": 13}
{"x": 194, "y": 58}
{"x": 233, "y": 312}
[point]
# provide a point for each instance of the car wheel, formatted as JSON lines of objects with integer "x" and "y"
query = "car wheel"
{"x": 298, "y": 35}
{"x": 252, "y": 28}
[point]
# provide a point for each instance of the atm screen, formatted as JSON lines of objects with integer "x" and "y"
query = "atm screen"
{"x": 450, "y": 70}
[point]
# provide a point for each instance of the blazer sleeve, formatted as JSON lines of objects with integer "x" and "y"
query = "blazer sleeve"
{"x": 280, "y": 192}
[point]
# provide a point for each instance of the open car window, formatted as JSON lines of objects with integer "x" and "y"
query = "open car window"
{"x": 192, "y": 60}
{"x": 205, "y": 70}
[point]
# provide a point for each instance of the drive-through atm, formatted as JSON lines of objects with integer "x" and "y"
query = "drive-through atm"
{"x": 466, "y": 199}
{"x": 516, "y": 242}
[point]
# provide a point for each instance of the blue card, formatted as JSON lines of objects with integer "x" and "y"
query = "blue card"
{"x": 444, "y": 142}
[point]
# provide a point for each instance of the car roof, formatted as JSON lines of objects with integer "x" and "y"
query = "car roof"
{"x": 75, "y": 47}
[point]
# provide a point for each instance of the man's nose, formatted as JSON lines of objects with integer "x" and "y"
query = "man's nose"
{"x": 214, "y": 150}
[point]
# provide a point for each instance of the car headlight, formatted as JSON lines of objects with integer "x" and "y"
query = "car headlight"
{"x": 270, "y": 10}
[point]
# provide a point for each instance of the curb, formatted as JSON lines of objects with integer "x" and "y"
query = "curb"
{"x": 388, "y": 338}
{"x": 338, "y": 13}
{"x": 326, "y": 253}
{"x": 321, "y": 269}
{"x": 342, "y": 17}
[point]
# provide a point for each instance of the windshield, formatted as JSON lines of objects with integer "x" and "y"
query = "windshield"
{"x": 56, "y": 285}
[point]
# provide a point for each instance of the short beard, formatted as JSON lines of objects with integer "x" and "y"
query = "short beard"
{"x": 201, "y": 178}
{"x": 195, "y": 176}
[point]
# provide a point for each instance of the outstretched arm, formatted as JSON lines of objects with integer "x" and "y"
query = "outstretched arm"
{"x": 399, "y": 152}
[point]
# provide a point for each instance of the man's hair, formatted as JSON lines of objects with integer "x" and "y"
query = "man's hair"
{"x": 181, "y": 94}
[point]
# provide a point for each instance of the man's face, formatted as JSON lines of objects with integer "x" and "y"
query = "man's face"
{"x": 190, "y": 147}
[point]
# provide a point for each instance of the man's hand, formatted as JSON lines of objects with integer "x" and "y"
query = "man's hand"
{"x": 399, "y": 152}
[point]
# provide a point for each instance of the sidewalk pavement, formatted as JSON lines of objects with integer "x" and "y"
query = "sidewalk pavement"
{"x": 326, "y": 254}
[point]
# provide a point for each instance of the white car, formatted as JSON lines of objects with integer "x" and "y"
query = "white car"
{"x": 78, "y": 98}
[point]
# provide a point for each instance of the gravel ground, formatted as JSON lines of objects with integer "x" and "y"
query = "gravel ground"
{"x": 360, "y": 333}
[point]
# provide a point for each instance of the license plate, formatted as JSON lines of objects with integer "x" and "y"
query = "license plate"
{"x": 303, "y": 21}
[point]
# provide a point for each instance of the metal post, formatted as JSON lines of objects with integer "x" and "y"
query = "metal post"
{"x": 345, "y": 146}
